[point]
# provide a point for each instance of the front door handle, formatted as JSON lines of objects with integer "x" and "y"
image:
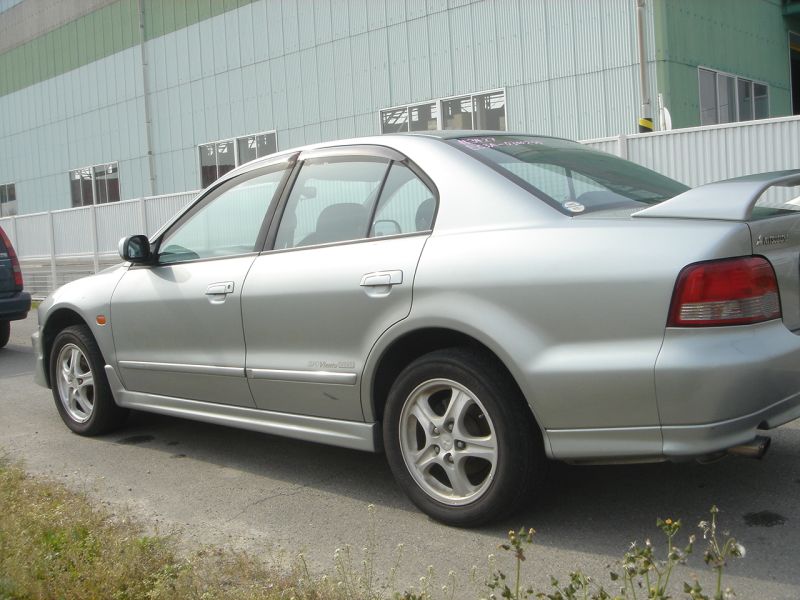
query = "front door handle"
{"x": 381, "y": 278}
{"x": 221, "y": 288}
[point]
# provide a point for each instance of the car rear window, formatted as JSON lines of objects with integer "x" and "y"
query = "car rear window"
{"x": 569, "y": 176}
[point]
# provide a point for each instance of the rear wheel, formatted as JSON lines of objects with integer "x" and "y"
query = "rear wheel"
{"x": 80, "y": 388}
{"x": 460, "y": 439}
{"x": 5, "y": 333}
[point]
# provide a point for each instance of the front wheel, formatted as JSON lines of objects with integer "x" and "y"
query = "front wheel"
{"x": 460, "y": 439}
{"x": 80, "y": 388}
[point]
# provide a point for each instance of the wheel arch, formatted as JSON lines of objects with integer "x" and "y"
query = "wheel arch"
{"x": 410, "y": 345}
{"x": 59, "y": 320}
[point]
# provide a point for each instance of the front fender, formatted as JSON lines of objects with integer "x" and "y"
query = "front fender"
{"x": 87, "y": 298}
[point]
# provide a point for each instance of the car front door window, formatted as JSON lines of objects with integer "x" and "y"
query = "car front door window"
{"x": 225, "y": 226}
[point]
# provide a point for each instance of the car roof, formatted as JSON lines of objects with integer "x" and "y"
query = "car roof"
{"x": 442, "y": 135}
{"x": 454, "y": 134}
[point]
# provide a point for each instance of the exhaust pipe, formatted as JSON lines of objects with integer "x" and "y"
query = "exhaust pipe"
{"x": 756, "y": 448}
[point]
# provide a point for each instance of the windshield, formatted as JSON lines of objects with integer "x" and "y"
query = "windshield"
{"x": 570, "y": 176}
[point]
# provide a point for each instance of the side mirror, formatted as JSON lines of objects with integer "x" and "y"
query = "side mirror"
{"x": 307, "y": 192}
{"x": 386, "y": 227}
{"x": 135, "y": 248}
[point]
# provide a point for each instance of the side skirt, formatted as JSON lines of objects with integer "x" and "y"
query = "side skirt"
{"x": 346, "y": 434}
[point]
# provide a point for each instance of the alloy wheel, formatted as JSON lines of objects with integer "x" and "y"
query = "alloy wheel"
{"x": 75, "y": 383}
{"x": 448, "y": 442}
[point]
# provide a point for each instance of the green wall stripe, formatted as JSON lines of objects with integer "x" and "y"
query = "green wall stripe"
{"x": 98, "y": 34}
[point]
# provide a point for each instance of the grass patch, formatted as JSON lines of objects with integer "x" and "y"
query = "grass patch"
{"x": 55, "y": 545}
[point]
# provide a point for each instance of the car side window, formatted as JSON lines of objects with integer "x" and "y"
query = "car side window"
{"x": 227, "y": 225}
{"x": 406, "y": 204}
{"x": 331, "y": 201}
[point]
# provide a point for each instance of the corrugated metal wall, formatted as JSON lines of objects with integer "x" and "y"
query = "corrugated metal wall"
{"x": 315, "y": 71}
{"x": 91, "y": 115}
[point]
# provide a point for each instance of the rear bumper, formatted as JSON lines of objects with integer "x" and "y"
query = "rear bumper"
{"x": 688, "y": 441}
{"x": 16, "y": 307}
{"x": 716, "y": 387}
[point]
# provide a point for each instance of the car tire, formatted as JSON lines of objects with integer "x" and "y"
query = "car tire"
{"x": 460, "y": 438}
{"x": 80, "y": 387}
{"x": 5, "y": 333}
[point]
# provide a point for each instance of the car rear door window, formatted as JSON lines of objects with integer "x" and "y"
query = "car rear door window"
{"x": 227, "y": 225}
{"x": 406, "y": 204}
{"x": 332, "y": 200}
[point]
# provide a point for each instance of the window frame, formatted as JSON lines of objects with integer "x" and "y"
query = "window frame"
{"x": 4, "y": 187}
{"x": 236, "y": 160}
{"x": 439, "y": 102}
{"x": 374, "y": 151}
{"x": 91, "y": 169}
{"x": 753, "y": 83}
{"x": 220, "y": 186}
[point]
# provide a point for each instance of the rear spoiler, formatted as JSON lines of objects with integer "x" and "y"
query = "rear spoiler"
{"x": 727, "y": 200}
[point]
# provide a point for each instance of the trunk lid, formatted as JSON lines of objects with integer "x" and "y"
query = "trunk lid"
{"x": 769, "y": 203}
{"x": 777, "y": 238}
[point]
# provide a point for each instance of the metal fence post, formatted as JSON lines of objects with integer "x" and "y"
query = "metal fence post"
{"x": 53, "y": 269}
{"x": 95, "y": 243}
{"x": 622, "y": 146}
{"x": 14, "y": 238}
{"x": 143, "y": 215}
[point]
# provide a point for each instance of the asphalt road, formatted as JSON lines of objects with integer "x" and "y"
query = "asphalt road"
{"x": 276, "y": 497}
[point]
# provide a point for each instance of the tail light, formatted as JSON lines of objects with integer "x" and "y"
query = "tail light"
{"x": 12, "y": 255}
{"x": 732, "y": 291}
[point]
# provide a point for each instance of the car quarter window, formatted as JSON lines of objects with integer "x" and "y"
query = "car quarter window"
{"x": 406, "y": 204}
{"x": 332, "y": 200}
{"x": 227, "y": 225}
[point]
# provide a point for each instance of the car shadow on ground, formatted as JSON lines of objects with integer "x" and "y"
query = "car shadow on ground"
{"x": 15, "y": 361}
{"x": 616, "y": 504}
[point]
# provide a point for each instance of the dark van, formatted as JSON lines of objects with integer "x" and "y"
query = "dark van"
{"x": 14, "y": 303}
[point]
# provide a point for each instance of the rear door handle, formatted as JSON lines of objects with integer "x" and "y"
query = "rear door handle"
{"x": 381, "y": 278}
{"x": 219, "y": 289}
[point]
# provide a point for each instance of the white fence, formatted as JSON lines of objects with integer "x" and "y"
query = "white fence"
{"x": 705, "y": 154}
{"x": 63, "y": 245}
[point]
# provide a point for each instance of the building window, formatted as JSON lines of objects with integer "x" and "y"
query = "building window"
{"x": 8, "y": 200}
{"x": 457, "y": 113}
{"x": 98, "y": 184}
{"x": 486, "y": 110}
{"x": 217, "y": 158}
{"x": 726, "y": 98}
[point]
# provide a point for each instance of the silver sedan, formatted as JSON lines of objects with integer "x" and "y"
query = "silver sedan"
{"x": 473, "y": 304}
